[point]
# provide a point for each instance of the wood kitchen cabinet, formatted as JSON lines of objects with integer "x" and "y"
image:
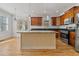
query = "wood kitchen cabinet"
{"x": 62, "y": 20}
{"x": 53, "y": 21}
{"x": 69, "y": 13}
{"x": 72, "y": 39}
{"x": 76, "y": 8}
{"x": 57, "y": 34}
{"x": 58, "y": 21}
{"x": 37, "y": 21}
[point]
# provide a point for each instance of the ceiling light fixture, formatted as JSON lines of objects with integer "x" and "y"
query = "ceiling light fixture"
{"x": 29, "y": 16}
{"x": 15, "y": 14}
{"x": 46, "y": 14}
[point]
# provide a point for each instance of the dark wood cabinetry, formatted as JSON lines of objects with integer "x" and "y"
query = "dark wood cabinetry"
{"x": 62, "y": 20}
{"x": 76, "y": 8}
{"x": 53, "y": 20}
{"x": 69, "y": 13}
{"x": 72, "y": 39}
{"x": 57, "y": 34}
{"x": 37, "y": 21}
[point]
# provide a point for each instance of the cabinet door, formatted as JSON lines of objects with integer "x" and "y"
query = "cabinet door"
{"x": 53, "y": 20}
{"x": 72, "y": 39}
{"x": 58, "y": 21}
{"x": 62, "y": 20}
{"x": 37, "y": 21}
{"x": 76, "y": 8}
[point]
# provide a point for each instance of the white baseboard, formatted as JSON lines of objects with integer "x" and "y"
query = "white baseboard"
{"x": 4, "y": 38}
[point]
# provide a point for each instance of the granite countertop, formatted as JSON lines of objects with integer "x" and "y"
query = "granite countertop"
{"x": 42, "y": 29}
{"x": 33, "y": 31}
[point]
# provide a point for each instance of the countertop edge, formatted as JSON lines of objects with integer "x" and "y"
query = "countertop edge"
{"x": 32, "y": 31}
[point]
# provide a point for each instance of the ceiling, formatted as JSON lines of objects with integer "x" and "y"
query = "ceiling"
{"x": 36, "y": 9}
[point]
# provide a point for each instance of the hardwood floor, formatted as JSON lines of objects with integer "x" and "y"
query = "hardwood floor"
{"x": 9, "y": 48}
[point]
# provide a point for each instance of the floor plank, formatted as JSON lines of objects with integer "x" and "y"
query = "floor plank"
{"x": 9, "y": 48}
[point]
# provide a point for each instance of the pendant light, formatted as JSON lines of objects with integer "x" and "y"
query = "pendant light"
{"x": 15, "y": 14}
{"x": 29, "y": 15}
{"x": 47, "y": 17}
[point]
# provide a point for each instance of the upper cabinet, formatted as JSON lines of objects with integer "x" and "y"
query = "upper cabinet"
{"x": 69, "y": 14}
{"x": 58, "y": 21}
{"x": 62, "y": 20}
{"x": 53, "y": 21}
{"x": 76, "y": 8}
{"x": 36, "y": 21}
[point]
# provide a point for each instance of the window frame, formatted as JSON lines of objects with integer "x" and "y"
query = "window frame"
{"x": 6, "y": 24}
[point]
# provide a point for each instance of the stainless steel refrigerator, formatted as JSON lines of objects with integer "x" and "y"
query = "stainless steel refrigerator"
{"x": 77, "y": 33}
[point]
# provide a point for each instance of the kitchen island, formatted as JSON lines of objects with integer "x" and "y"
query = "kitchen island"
{"x": 36, "y": 40}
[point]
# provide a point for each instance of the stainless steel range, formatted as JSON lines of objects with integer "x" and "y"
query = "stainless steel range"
{"x": 64, "y": 34}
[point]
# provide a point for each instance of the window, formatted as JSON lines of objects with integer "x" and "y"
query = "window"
{"x": 3, "y": 23}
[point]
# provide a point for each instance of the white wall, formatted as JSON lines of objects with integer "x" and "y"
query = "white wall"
{"x": 9, "y": 33}
{"x": 14, "y": 28}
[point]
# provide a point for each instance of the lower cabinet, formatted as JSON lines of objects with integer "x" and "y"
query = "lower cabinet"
{"x": 57, "y": 34}
{"x": 72, "y": 39}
